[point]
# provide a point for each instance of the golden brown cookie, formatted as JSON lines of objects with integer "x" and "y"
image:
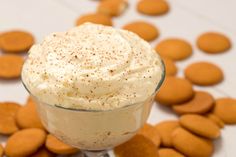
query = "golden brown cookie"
{"x": 1, "y": 150}
{"x": 151, "y": 133}
{"x": 171, "y": 68}
{"x": 204, "y": 73}
{"x": 165, "y": 130}
{"x": 27, "y": 116}
{"x": 190, "y": 144}
{"x": 200, "y": 125}
{"x": 174, "y": 91}
{"x": 153, "y": 7}
{"x": 58, "y": 147}
{"x": 96, "y": 18}
{"x": 138, "y": 146}
{"x": 43, "y": 152}
{"x": 9, "y": 108}
{"x": 225, "y": 109}
{"x": 216, "y": 120}
{"x": 145, "y": 30}
{"x": 201, "y": 103}
{"x": 169, "y": 152}
{"x": 7, "y": 117}
{"x": 16, "y": 41}
{"x": 213, "y": 42}
{"x": 174, "y": 48}
{"x": 25, "y": 142}
{"x": 112, "y": 7}
{"x": 7, "y": 125}
{"x": 10, "y": 66}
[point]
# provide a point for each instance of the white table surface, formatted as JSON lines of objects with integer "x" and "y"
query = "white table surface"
{"x": 187, "y": 19}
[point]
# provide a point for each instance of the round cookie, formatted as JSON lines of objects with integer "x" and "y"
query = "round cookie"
{"x": 7, "y": 117}
{"x": 16, "y": 41}
{"x": 145, "y": 30}
{"x": 213, "y": 42}
{"x": 215, "y": 119}
{"x": 9, "y": 108}
{"x": 151, "y": 133}
{"x": 8, "y": 125}
{"x": 169, "y": 152}
{"x": 43, "y": 152}
{"x": 27, "y": 116}
{"x": 10, "y": 66}
{"x": 201, "y": 103}
{"x": 165, "y": 130}
{"x": 174, "y": 48}
{"x": 190, "y": 144}
{"x": 174, "y": 91}
{"x": 138, "y": 146}
{"x": 25, "y": 142}
{"x": 58, "y": 147}
{"x": 200, "y": 125}
{"x": 112, "y": 7}
{"x": 171, "y": 68}
{"x": 96, "y": 18}
{"x": 204, "y": 73}
{"x": 153, "y": 7}
{"x": 225, "y": 109}
{"x": 1, "y": 150}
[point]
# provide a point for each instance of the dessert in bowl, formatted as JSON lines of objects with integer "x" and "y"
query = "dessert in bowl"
{"x": 94, "y": 85}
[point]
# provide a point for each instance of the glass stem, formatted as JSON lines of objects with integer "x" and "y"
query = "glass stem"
{"x": 102, "y": 153}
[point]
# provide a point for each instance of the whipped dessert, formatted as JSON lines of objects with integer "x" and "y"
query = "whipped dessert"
{"x": 110, "y": 75}
{"x": 92, "y": 67}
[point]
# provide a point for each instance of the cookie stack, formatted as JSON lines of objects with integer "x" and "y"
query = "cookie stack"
{"x": 26, "y": 134}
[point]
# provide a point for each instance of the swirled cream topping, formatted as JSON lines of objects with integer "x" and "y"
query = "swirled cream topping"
{"x": 92, "y": 67}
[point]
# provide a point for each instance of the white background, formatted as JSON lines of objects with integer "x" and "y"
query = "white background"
{"x": 187, "y": 19}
